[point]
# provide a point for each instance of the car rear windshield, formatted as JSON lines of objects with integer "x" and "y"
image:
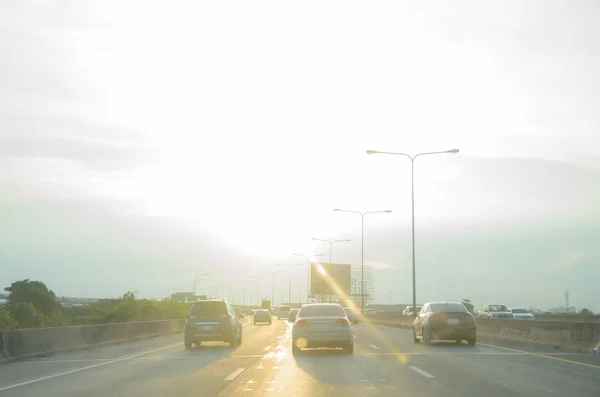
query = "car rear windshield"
{"x": 497, "y": 308}
{"x": 448, "y": 308}
{"x": 261, "y": 312}
{"x": 209, "y": 309}
{"x": 519, "y": 311}
{"x": 321, "y": 311}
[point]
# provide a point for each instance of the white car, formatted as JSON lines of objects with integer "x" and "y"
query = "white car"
{"x": 521, "y": 314}
{"x": 322, "y": 325}
{"x": 495, "y": 312}
{"x": 408, "y": 310}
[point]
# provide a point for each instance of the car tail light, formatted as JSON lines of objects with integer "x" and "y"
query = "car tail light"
{"x": 301, "y": 323}
{"x": 342, "y": 322}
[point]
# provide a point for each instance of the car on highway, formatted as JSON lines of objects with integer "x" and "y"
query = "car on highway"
{"x": 262, "y": 316}
{"x": 322, "y": 325}
{"x": 292, "y": 315}
{"x": 352, "y": 315}
{"x": 521, "y": 314}
{"x": 408, "y": 310}
{"x": 283, "y": 312}
{"x": 444, "y": 321}
{"x": 212, "y": 320}
{"x": 369, "y": 311}
{"x": 495, "y": 312}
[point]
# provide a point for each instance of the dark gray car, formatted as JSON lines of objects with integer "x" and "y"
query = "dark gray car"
{"x": 212, "y": 320}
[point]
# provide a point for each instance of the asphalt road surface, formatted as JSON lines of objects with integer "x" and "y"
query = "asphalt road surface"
{"x": 386, "y": 362}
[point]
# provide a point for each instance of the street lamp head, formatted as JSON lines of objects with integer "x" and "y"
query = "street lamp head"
{"x": 388, "y": 211}
{"x": 453, "y": 151}
{"x": 372, "y": 152}
{"x": 337, "y": 209}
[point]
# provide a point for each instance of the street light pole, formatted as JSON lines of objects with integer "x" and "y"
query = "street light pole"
{"x": 290, "y": 280}
{"x": 412, "y": 170}
{"x": 330, "y": 244}
{"x": 273, "y": 284}
{"x": 299, "y": 291}
{"x": 195, "y": 278}
{"x": 256, "y": 279}
{"x": 308, "y": 276}
{"x": 362, "y": 250}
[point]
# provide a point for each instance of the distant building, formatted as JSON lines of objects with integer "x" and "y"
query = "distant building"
{"x": 563, "y": 310}
{"x": 183, "y": 297}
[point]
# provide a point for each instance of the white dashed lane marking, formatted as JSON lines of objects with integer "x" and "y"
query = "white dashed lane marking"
{"x": 420, "y": 371}
{"x": 373, "y": 347}
{"x": 235, "y": 373}
{"x": 124, "y": 358}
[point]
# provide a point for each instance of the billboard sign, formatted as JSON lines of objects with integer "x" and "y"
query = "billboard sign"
{"x": 330, "y": 279}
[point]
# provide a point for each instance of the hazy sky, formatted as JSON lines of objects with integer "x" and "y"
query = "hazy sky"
{"x": 144, "y": 142}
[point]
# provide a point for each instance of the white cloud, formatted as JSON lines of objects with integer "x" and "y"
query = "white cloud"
{"x": 251, "y": 120}
{"x": 570, "y": 261}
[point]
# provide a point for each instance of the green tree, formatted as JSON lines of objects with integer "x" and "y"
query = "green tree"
{"x": 28, "y": 316}
{"x": 266, "y": 304}
{"x": 129, "y": 296}
{"x": 586, "y": 312}
{"x": 7, "y": 321}
{"x": 36, "y": 293}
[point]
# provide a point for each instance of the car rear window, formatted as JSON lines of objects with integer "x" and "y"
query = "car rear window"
{"x": 209, "y": 309}
{"x": 261, "y": 312}
{"x": 519, "y": 311}
{"x": 448, "y": 308}
{"x": 321, "y": 311}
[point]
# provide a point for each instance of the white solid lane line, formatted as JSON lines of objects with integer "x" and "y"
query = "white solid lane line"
{"x": 420, "y": 371}
{"x": 267, "y": 348}
{"x": 124, "y": 358}
{"x": 373, "y": 347}
{"x": 235, "y": 373}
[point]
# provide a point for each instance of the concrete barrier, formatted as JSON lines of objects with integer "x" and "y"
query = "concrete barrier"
{"x": 31, "y": 342}
{"x": 3, "y": 355}
{"x": 564, "y": 334}
{"x": 489, "y": 328}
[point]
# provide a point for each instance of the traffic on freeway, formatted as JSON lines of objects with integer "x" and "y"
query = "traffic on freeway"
{"x": 385, "y": 362}
{"x": 310, "y": 198}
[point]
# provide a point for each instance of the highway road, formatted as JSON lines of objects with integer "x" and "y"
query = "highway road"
{"x": 386, "y": 363}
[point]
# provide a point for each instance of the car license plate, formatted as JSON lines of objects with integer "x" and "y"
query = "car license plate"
{"x": 452, "y": 321}
{"x": 207, "y": 328}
